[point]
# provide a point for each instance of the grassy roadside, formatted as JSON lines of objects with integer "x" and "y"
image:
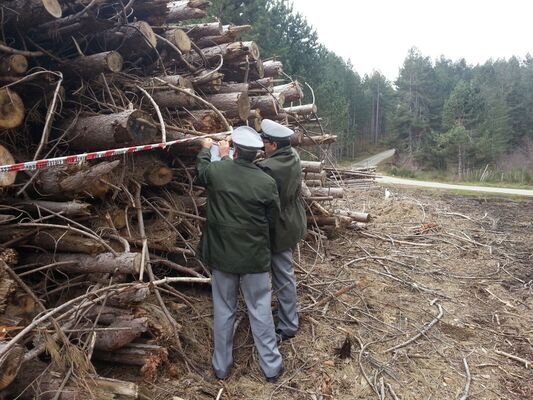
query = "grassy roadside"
{"x": 444, "y": 177}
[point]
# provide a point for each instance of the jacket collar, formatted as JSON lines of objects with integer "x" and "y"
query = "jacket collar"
{"x": 287, "y": 150}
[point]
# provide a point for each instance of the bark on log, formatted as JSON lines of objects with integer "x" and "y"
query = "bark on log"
{"x": 125, "y": 263}
{"x": 71, "y": 181}
{"x": 233, "y": 104}
{"x": 66, "y": 242}
{"x": 134, "y": 354}
{"x": 109, "y": 131}
{"x": 184, "y": 10}
{"x": 261, "y": 84}
{"x": 95, "y": 64}
{"x": 320, "y": 176}
{"x": 231, "y": 87}
{"x": 231, "y": 53}
{"x": 6, "y": 178}
{"x": 268, "y": 105}
{"x": 301, "y": 140}
{"x": 243, "y": 71}
{"x": 303, "y": 111}
{"x": 229, "y": 34}
{"x": 175, "y": 80}
{"x": 15, "y": 64}
{"x": 112, "y": 339}
{"x": 312, "y": 166}
{"x": 291, "y": 91}
{"x": 10, "y": 364}
{"x": 7, "y": 287}
{"x": 148, "y": 169}
{"x": 273, "y": 68}
{"x": 67, "y": 208}
{"x": 196, "y": 31}
{"x": 178, "y": 38}
{"x": 336, "y": 193}
{"x": 173, "y": 99}
{"x": 354, "y": 215}
{"x": 314, "y": 182}
{"x": 11, "y": 109}
{"x": 129, "y": 296}
{"x": 131, "y": 41}
{"x": 202, "y": 120}
{"x": 30, "y": 13}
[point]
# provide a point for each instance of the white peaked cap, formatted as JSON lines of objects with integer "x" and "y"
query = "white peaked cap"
{"x": 275, "y": 130}
{"x": 246, "y": 137}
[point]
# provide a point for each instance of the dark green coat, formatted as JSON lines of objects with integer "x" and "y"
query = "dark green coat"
{"x": 242, "y": 206}
{"x": 284, "y": 166}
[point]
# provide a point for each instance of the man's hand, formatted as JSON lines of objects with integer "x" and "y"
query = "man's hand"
{"x": 207, "y": 143}
{"x": 223, "y": 148}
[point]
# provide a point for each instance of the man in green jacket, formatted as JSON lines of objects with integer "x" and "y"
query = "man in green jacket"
{"x": 242, "y": 207}
{"x": 283, "y": 164}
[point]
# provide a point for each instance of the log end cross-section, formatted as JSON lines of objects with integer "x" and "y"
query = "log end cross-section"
{"x": 11, "y": 109}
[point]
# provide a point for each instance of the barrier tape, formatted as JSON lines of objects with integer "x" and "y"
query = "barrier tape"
{"x": 74, "y": 159}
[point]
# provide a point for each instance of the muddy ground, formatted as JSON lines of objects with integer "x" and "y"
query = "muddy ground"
{"x": 442, "y": 283}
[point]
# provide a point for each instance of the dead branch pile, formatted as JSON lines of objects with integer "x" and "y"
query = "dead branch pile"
{"x": 88, "y": 250}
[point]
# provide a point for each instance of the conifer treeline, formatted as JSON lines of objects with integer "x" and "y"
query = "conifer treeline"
{"x": 445, "y": 113}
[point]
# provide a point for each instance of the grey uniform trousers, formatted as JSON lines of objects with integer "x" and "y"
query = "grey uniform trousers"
{"x": 258, "y": 298}
{"x": 284, "y": 285}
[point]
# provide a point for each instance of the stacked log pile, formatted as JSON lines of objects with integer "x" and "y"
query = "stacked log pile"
{"x": 88, "y": 248}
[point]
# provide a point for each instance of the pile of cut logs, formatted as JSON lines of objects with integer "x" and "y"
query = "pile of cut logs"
{"x": 89, "y": 248}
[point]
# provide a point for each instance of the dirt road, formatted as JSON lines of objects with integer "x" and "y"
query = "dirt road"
{"x": 375, "y": 159}
{"x": 390, "y": 180}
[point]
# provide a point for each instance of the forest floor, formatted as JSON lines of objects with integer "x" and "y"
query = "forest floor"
{"x": 455, "y": 272}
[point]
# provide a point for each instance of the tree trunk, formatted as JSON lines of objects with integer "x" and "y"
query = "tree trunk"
{"x": 337, "y": 193}
{"x": 312, "y": 166}
{"x": 229, "y": 34}
{"x": 148, "y": 169}
{"x": 110, "y": 131}
{"x": 131, "y": 41}
{"x": 173, "y": 99}
{"x": 10, "y": 364}
{"x": 231, "y": 87}
{"x": 243, "y": 71}
{"x": 67, "y": 242}
{"x": 354, "y": 215}
{"x": 261, "y": 84}
{"x": 133, "y": 354}
{"x": 110, "y": 340}
{"x": 66, "y": 208}
{"x": 197, "y": 31}
{"x": 206, "y": 121}
{"x": 124, "y": 263}
{"x": 303, "y": 111}
{"x": 268, "y": 105}
{"x": 184, "y": 10}
{"x": 273, "y": 68}
{"x": 292, "y": 91}
{"x": 300, "y": 140}
{"x": 15, "y": 64}
{"x": 231, "y": 53}
{"x": 30, "y": 13}
{"x": 233, "y": 104}
{"x": 11, "y": 109}
{"x": 128, "y": 297}
{"x": 95, "y": 64}
{"x": 6, "y": 178}
{"x": 178, "y": 38}
{"x": 70, "y": 181}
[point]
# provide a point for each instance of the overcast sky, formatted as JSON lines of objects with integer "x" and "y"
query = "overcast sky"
{"x": 376, "y": 34}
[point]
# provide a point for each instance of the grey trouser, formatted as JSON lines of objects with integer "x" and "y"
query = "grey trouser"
{"x": 284, "y": 284}
{"x": 258, "y": 298}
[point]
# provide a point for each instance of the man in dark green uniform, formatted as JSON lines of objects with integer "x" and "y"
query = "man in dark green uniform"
{"x": 242, "y": 207}
{"x": 283, "y": 164}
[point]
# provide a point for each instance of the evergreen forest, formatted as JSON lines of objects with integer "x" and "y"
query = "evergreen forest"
{"x": 440, "y": 114}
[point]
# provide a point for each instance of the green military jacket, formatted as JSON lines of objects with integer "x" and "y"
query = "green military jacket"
{"x": 242, "y": 207}
{"x": 284, "y": 166}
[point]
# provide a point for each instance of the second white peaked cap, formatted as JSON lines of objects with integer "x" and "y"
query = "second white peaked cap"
{"x": 246, "y": 137}
{"x": 275, "y": 130}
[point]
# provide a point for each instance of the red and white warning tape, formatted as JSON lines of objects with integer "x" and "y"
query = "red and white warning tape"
{"x": 74, "y": 159}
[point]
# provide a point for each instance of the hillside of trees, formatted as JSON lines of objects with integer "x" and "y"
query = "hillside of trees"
{"x": 443, "y": 114}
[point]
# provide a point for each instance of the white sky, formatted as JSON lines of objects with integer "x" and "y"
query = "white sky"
{"x": 376, "y": 34}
